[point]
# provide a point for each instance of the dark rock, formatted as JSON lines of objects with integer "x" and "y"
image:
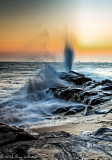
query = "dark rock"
{"x": 61, "y": 145}
{"x": 101, "y": 131}
{"x": 23, "y": 136}
{"x": 67, "y": 94}
{"x": 75, "y": 77}
{"x": 90, "y": 107}
{"x": 21, "y": 151}
{"x": 95, "y": 100}
{"x": 99, "y": 100}
{"x": 77, "y": 108}
{"x": 103, "y": 111}
{"x": 89, "y": 110}
{"x": 70, "y": 112}
{"x": 106, "y": 81}
{"x": 4, "y": 128}
{"x": 61, "y": 110}
{"x": 71, "y": 94}
{"x": 107, "y": 88}
{"x": 81, "y": 80}
{"x": 70, "y": 75}
{"x": 108, "y": 94}
{"x": 76, "y": 90}
{"x": 88, "y": 94}
{"x": 70, "y": 109}
{"x": 10, "y": 135}
{"x": 90, "y": 85}
{"x": 76, "y": 73}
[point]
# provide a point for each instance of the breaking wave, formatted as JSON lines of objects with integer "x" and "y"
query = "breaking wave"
{"x": 32, "y": 103}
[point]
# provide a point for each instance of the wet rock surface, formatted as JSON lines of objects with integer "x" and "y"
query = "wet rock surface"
{"x": 75, "y": 77}
{"x": 55, "y": 145}
{"x": 103, "y": 111}
{"x": 83, "y": 91}
{"x": 71, "y": 109}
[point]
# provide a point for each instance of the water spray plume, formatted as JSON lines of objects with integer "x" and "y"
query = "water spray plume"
{"x": 68, "y": 55}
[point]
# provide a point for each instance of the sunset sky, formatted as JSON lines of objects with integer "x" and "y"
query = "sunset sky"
{"x": 30, "y": 29}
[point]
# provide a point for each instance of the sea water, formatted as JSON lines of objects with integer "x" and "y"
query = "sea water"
{"x": 23, "y": 88}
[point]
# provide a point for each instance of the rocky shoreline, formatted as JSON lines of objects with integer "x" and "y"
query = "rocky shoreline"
{"x": 87, "y": 93}
{"x": 90, "y": 99}
{"x": 16, "y": 143}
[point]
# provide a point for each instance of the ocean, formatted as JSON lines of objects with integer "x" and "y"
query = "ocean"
{"x": 23, "y": 86}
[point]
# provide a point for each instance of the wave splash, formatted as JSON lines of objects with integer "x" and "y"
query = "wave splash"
{"x": 69, "y": 57}
{"x": 32, "y": 103}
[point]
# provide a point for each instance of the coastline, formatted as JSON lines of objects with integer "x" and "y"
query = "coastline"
{"x": 76, "y": 124}
{"x": 77, "y": 138}
{"x": 78, "y": 130}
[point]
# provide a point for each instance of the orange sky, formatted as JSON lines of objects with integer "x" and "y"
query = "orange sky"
{"x": 34, "y": 28}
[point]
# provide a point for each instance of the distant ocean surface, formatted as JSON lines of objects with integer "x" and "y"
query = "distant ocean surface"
{"x": 18, "y": 80}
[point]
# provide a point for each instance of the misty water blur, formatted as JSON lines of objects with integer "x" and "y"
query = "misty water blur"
{"x": 24, "y": 96}
{"x": 33, "y": 102}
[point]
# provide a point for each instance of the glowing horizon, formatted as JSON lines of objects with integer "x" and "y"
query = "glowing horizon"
{"x": 31, "y": 28}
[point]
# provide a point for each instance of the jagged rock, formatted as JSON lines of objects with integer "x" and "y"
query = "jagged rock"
{"x": 90, "y": 85}
{"x": 76, "y": 78}
{"x": 70, "y": 109}
{"x": 107, "y": 88}
{"x": 77, "y": 108}
{"x": 61, "y": 110}
{"x": 103, "y": 111}
{"x": 99, "y": 100}
{"x": 108, "y": 94}
{"x": 102, "y": 130}
{"x": 70, "y": 112}
{"x": 70, "y": 75}
{"x": 88, "y": 111}
{"x": 21, "y": 151}
{"x": 95, "y": 100}
{"x": 60, "y": 145}
{"x": 76, "y": 73}
{"x": 88, "y": 94}
{"x": 67, "y": 94}
{"x": 71, "y": 94}
{"x": 10, "y": 135}
{"x": 106, "y": 81}
{"x": 81, "y": 80}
